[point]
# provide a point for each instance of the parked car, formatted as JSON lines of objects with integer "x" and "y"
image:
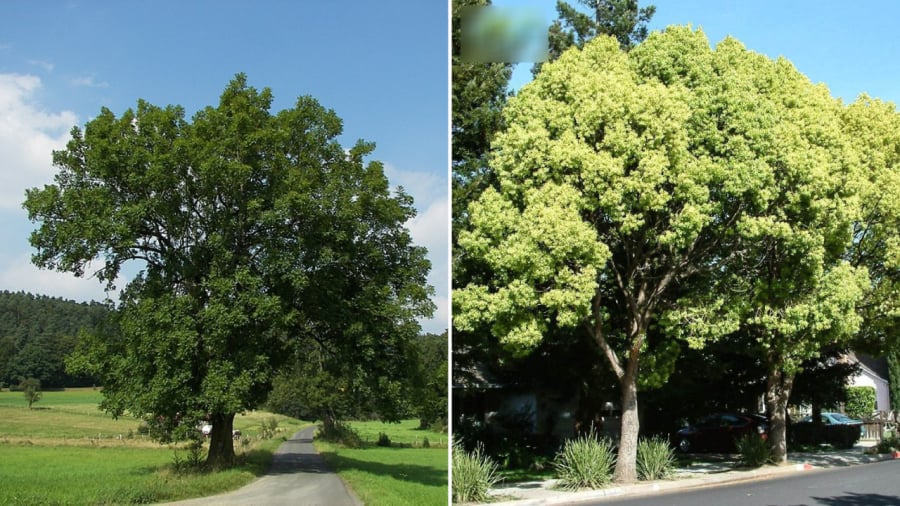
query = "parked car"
{"x": 719, "y": 432}
{"x": 837, "y": 429}
{"x": 834, "y": 419}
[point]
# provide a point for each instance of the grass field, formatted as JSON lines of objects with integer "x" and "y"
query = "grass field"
{"x": 404, "y": 473}
{"x": 67, "y": 451}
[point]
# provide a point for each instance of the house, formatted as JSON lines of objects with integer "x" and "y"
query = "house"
{"x": 873, "y": 372}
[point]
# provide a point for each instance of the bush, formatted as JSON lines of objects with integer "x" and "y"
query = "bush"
{"x": 383, "y": 439}
{"x": 889, "y": 444}
{"x": 838, "y": 436}
{"x": 193, "y": 462}
{"x": 754, "y": 450}
{"x": 655, "y": 459}
{"x": 585, "y": 462}
{"x": 473, "y": 475}
{"x": 268, "y": 428}
{"x": 842, "y": 436}
{"x": 32, "y": 390}
{"x": 426, "y": 443}
{"x": 340, "y": 433}
{"x": 860, "y": 402}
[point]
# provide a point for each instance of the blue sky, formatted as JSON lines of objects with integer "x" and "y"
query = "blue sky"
{"x": 382, "y": 67}
{"x": 849, "y": 46}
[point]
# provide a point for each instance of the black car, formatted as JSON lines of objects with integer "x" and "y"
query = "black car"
{"x": 719, "y": 432}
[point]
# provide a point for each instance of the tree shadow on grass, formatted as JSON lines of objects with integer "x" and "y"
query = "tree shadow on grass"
{"x": 403, "y": 472}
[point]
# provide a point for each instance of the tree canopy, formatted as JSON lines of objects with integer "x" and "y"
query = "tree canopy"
{"x": 255, "y": 232}
{"x": 636, "y": 188}
{"x": 622, "y": 19}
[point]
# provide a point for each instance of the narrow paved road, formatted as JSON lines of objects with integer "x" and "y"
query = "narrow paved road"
{"x": 298, "y": 477}
{"x": 864, "y": 485}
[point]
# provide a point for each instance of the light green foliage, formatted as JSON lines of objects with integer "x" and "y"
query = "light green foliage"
{"x": 676, "y": 189}
{"x": 873, "y": 128}
{"x": 255, "y": 231}
{"x": 861, "y": 402}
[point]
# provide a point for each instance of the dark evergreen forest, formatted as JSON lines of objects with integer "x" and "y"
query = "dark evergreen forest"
{"x": 37, "y": 332}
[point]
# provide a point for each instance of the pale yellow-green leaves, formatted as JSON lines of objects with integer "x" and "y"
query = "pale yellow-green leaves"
{"x": 544, "y": 261}
{"x": 662, "y": 155}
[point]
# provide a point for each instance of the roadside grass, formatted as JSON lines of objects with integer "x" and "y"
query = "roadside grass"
{"x": 70, "y": 452}
{"x": 404, "y": 473}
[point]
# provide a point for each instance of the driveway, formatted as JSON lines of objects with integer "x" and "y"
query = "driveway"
{"x": 298, "y": 476}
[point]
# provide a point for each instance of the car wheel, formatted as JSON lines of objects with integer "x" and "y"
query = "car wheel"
{"x": 684, "y": 445}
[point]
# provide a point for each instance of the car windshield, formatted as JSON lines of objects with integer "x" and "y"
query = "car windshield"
{"x": 841, "y": 417}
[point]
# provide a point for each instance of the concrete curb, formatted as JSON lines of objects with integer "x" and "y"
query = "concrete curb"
{"x": 550, "y": 496}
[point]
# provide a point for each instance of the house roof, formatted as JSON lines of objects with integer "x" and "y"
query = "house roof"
{"x": 874, "y": 365}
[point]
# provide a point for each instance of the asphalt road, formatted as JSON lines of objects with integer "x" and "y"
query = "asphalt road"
{"x": 298, "y": 477}
{"x": 875, "y": 484}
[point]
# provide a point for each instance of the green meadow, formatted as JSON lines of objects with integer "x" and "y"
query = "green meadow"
{"x": 403, "y": 473}
{"x": 67, "y": 451}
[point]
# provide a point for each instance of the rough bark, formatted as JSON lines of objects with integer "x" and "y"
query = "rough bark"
{"x": 626, "y": 462}
{"x": 221, "y": 444}
{"x": 778, "y": 391}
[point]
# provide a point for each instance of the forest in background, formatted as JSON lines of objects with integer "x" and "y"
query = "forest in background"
{"x": 37, "y": 332}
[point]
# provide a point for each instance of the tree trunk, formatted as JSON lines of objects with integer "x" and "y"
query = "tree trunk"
{"x": 626, "y": 461}
{"x": 778, "y": 391}
{"x": 221, "y": 443}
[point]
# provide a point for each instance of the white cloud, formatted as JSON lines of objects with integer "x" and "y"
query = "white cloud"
{"x": 42, "y": 64}
{"x": 89, "y": 81}
{"x": 425, "y": 187}
{"x": 19, "y": 273}
{"x": 430, "y": 228}
{"x": 28, "y": 135}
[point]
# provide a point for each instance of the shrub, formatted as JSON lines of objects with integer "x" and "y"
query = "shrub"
{"x": 383, "y": 439}
{"x": 473, "y": 475}
{"x": 860, "y": 402}
{"x": 268, "y": 428}
{"x": 842, "y": 436}
{"x": 340, "y": 433}
{"x": 32, "y": 390}
{"x": 838, "y": 436}
{"x": 585, "y": 462}
{"x": 426, "y": 443}
{"x": 754, "y": 450}
{"x": 143, "y": 428}
{"x": 889, "y": 444}
{"x": 192, "y": 462}
{"x": 655, "y": 459}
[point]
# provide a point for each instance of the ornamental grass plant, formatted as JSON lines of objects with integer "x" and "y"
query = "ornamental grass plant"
{"x": 585, "y": 462}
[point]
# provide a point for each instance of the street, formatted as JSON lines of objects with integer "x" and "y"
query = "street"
{"x": 875, "y": 484}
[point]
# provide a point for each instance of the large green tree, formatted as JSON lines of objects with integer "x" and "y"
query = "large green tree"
{"x": 626, "y": 175}
{"x": 254, "y": 231}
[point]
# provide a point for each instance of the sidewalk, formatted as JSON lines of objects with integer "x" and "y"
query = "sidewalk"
{"x": 718, "y": 469}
